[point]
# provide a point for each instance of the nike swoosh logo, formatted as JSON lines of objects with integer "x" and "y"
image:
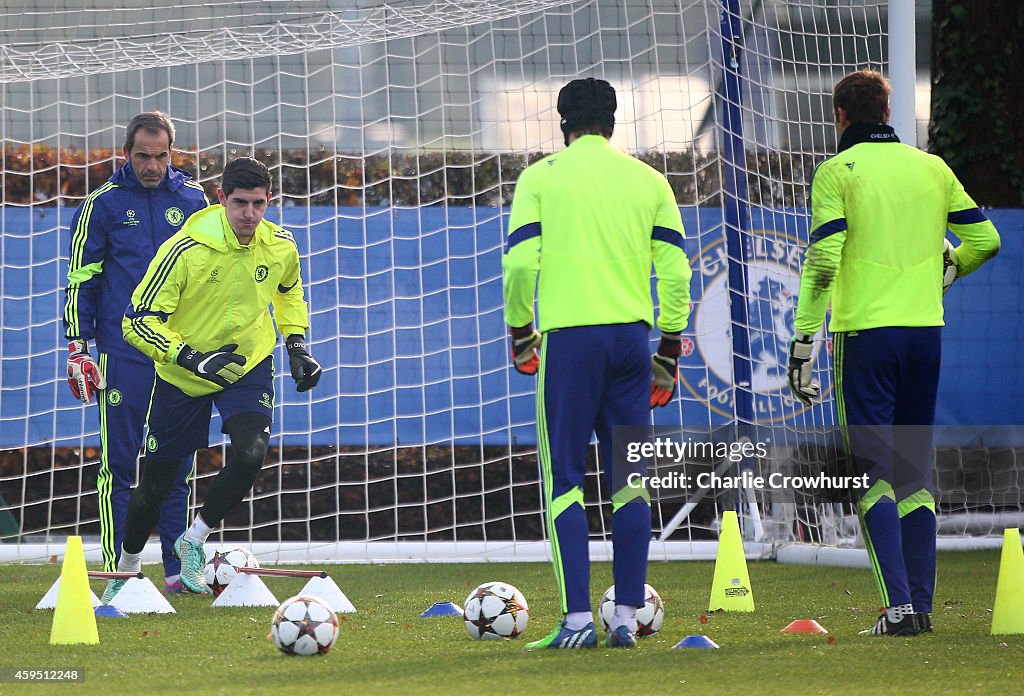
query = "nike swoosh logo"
{"x": 202, "y": 366}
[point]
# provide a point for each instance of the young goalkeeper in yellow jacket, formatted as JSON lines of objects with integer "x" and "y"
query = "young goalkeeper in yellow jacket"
{"x": 202, "y": 313}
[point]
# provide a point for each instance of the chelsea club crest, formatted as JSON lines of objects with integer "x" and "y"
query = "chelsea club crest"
{"x": 174, "y": 216}
{"x": 773, "y": 284}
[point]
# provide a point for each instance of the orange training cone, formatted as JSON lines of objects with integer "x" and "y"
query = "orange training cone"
{"x": 73, "y": 618}
{"x": 804, "y": 626}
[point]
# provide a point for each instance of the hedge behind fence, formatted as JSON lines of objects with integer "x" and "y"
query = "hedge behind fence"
{"x": 42, "y": 175}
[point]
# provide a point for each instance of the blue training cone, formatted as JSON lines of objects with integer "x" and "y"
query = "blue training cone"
{"x": 696, "y": 642}
{"x": 109, "y": 611}
{"x": 441, "y": 609}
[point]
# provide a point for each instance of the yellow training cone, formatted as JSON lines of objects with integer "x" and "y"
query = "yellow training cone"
{"x": 730, "y": 589}
{"x": 1008, "y": 612}
{"x": 73, "y": 619}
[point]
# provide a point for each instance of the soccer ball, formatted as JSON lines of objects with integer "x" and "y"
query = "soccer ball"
{"x": 649, "y": 617}
{"x": 950, "y": 265}
{"x": 304, "y": 625}
{"x": 223, "y": 567}
{"x": 496, "y": 610}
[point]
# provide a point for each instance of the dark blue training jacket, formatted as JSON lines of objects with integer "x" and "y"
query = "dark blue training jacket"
{"x": 114, "y": 235}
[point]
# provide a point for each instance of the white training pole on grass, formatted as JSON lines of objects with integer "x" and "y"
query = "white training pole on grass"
{"x": 903, "y": 70}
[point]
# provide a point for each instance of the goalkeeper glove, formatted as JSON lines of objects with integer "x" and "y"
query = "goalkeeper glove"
{"x": 84, "y": 375}
{"x": 950, "y": 265}
{"x": 800, "y": 349}
{"x": 223, "y": 366}
{"x": 665, "y": 369}
{"x": 305, "y": 370}
{"x": 525, "y": 342}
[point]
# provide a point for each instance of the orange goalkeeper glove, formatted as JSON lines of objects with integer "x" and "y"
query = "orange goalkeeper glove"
{"x": 525, "y": 342}
{"x": 665, "y": 369}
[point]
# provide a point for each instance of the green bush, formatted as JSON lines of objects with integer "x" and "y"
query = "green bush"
{"x": 42, "y": 175}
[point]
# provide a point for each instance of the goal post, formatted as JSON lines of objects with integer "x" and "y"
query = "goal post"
{"x": 395, "y": 133}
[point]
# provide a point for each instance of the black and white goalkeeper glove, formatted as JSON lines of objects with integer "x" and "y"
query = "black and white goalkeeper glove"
{"x": 305, "y": 370}
{"x": 950, "y": 265}
{"x": 223, "y": 366}
{"x": 801, "y": 348}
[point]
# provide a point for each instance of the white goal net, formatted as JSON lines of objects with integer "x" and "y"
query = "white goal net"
{"x": 395, "y": 132}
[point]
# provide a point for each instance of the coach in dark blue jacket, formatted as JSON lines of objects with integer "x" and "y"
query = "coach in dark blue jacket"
{"x": 114, "y": 235}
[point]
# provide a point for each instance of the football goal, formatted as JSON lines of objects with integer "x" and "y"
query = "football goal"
{"x": 395, "y": 132}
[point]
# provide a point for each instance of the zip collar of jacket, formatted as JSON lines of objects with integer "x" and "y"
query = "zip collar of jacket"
{"x": 857, "y": 133}
{"x": 210, "y": 227}
{"x": 173, "y": 180}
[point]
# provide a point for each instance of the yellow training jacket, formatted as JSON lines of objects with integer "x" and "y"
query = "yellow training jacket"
{"x": 206, "y": 290}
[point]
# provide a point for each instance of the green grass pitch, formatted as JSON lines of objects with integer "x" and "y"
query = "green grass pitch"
{"x": 387, "y": 648}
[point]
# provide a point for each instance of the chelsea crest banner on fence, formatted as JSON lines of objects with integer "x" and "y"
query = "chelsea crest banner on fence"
{"x": 406, "y": 319}
{"x": 772, "y": 261}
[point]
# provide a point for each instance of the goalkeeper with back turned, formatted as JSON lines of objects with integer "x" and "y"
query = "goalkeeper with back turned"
{"x": 203, "y": 314}
{"x": 591, "y": 221}
{"x": 879, "y": 214}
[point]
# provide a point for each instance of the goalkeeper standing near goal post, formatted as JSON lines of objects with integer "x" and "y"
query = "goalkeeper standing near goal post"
{"x": 591, "y": 221}
{"x": 203, "y": 314}
{"x": 114, "y": 234}
{"x": 879, "y": 213}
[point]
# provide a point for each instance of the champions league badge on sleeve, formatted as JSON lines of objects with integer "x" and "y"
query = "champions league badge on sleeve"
{"x": 773, "y": 283}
